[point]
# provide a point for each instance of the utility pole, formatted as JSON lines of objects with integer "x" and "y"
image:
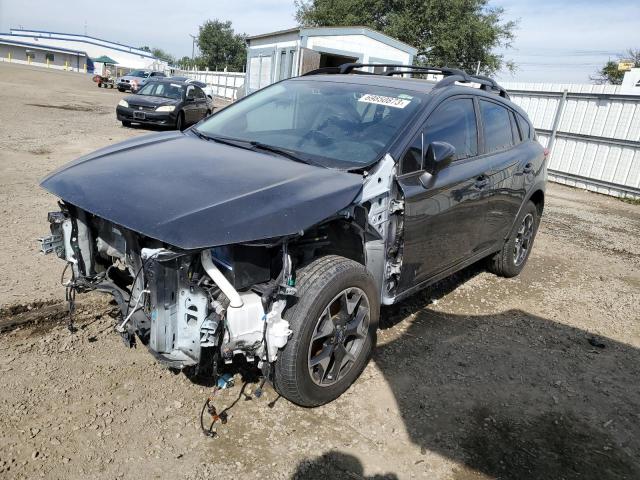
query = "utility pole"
{"x": 478, "y": 68}
{"x": 193, "y": 46}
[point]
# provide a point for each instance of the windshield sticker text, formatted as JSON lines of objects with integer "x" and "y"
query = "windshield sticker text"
{"x": 381, "y": 100}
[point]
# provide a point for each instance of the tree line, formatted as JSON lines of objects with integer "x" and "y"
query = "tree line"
{"x": 467, "y": 34}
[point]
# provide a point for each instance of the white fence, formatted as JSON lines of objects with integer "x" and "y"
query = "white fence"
{"x": 592, "y": 131}
{"x": 225, "y": 84}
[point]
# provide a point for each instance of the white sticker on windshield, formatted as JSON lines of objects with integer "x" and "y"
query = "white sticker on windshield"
{"x": 381, "y": 100}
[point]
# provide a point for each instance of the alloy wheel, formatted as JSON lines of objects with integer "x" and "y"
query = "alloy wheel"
{"x": 338, "y": 336}
{"x": 523, "y": 240}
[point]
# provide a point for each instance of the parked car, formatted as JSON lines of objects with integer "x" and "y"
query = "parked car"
{"x": 165, "y": 103}
{"x": 207, "y": 89}
{"x": 275, "y": 229}
{"x": 135, "y": 80}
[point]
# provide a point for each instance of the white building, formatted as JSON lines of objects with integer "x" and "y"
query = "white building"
{"x": 71, "y": 51}
{"x": 288, "y": 53}
{"x": 631, "y": 82}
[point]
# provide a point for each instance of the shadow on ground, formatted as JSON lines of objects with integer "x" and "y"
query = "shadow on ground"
{"x": 509, "y": 396}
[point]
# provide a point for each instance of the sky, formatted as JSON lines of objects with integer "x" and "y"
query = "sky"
{"x": 555, "y": 41}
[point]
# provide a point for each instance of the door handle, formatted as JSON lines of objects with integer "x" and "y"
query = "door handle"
{"x": 481, "y": 182}
{"x": 528, "y": 168}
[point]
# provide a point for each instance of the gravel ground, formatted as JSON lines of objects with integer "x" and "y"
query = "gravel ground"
{"x": 475, "y": 378}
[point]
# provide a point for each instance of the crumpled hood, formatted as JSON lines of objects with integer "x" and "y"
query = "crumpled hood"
{"x": 192, "y": 193}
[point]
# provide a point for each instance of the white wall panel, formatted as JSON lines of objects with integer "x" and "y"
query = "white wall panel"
{"x": 597, "y": 142}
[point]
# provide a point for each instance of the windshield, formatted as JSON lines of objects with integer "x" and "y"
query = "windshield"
{"x": 139, "y": 73}
{"x": 332, "y": 124}
{"x": 162, "y": 89}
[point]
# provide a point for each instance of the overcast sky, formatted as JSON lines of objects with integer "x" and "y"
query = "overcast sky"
{"x": 554, "y": 42}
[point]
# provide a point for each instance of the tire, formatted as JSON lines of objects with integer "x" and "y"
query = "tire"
{"x": 121, "y": 89}
{"x": 324, "y": 285}
{"x": 207, "y": 114}
{"x": 126, "y": 123}
{"x": 510, "y": 261}
{"x": 180, "y": 121}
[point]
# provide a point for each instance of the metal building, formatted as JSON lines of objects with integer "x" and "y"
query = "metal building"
{"x": 287, "y": 53}
{"x": 71, "y": 51}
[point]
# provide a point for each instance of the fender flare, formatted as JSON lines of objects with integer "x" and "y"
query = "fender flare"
{"x": 536, "y": 187}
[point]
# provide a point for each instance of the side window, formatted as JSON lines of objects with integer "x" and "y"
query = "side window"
{"x": 454, "y": 122}
{"x": 525, "y": 126}
{"x": 199, "y": 93}
{"x": 497, "y": 127}
{"x": 517, "y": 134}
{"x": 412, "y": 160}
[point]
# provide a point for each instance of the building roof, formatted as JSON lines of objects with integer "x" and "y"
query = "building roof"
{"x": 332, "y": 31}
{"x": 79, "y": 37}
{"x": 42, "y": 47}
{"x": 105, "y": 59}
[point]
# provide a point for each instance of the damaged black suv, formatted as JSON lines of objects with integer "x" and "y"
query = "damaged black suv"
{"x": 276, "y": 228}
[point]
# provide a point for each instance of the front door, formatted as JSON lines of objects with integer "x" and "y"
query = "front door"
{"x": 443, "y": 222}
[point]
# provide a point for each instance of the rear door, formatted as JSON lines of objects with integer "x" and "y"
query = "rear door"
{"x": 443, "y": 223}
{"x": 505, "y": 156}
{"x": 201, "y": 102}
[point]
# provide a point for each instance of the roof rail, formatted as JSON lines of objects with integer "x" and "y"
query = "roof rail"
{"x": 451, "y": 75}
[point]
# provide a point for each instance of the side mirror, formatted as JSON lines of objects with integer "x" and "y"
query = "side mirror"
{"x": 439, "y": 155}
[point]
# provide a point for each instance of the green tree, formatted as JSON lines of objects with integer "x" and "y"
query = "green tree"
{"x": 221, "y": 47}
{"x": 609, "y": 73}
{"x": 160, "y": 53}
{"x": 454, "y": 33}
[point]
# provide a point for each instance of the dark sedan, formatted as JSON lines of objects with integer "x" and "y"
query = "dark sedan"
{"x": 165, "y": 103}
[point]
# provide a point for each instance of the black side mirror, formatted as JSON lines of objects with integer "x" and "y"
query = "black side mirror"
{"x": 438, "y": 156}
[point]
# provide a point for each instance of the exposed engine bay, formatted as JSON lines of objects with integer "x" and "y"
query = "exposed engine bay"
{"x": 200, "y": 308}
{"x": 189, "y": 308}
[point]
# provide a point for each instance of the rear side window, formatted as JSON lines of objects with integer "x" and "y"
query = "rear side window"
{"x": 497, "y": 127}
{"x": 454, "y": 122}
{"x": 525, "y": 127}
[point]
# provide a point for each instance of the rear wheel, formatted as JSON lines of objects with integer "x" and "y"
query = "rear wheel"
{"x": 180, "y": 121}
{"x": 334, "y": 325}
{"x": 510, "y": 261}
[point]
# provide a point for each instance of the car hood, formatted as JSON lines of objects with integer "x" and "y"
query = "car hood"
{"x": 192, "y": 193}
{"x": 131, "y": 77}
{"x": 150, "y": 101}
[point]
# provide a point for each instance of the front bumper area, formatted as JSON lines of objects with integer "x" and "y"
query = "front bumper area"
{"x": 128, "y": 114}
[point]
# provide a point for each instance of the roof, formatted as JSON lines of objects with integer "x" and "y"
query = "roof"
{"x": 105, "y": 59}
{"x": 333, "y": 31}
{"x": 410, "y": 84}
{"x": 25, "y": 32}
{"x": 42, "y": 47}
{"x": 80, "y": 38}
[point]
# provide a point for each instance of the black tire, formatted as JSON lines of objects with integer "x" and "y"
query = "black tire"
{"x": 510, "y": 261}
{"x": 319, "y": 284}
{"x": 120, "y": 89}
{"x": 126, "y": 123}
{"x": 180, "y": 121}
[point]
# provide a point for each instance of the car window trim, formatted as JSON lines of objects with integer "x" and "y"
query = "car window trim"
{"x": 484, "y": 147}
{"x": 423, "y": 126}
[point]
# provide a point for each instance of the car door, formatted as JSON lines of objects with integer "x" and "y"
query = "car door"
{"x": 443, "y": 222}
{"x": 201, "y": 103}
{"x": 504, "y": 154}
{"x": 190, "y": 106}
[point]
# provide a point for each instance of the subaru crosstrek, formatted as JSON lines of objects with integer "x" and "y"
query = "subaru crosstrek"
{"x": 276, "y": 228}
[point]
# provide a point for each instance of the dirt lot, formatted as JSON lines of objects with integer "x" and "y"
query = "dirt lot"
{"x": 476, "y": 378}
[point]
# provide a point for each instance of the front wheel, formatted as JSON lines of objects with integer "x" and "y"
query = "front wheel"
{"x": 334, "y": 323}
{"x": 510, "y": 261}
{"x": 126, "y": 123}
